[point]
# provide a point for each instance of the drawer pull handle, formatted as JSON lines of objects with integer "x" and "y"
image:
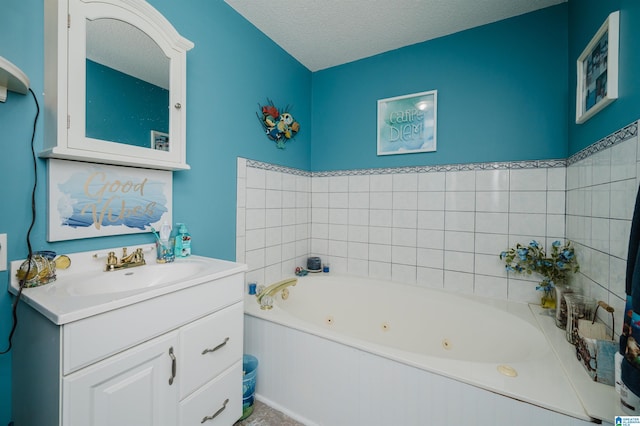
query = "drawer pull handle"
{"x": 217, "y": 413}
{"x": 173, "y": 366}
{"x": 206, "y": 351}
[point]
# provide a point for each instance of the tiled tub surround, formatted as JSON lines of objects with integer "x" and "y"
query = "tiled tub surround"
{"x": 443, "y": 226}
{"x": 602, "y": 181}
{"x": 439, "y": 226}
{"x": 273, "y": 228}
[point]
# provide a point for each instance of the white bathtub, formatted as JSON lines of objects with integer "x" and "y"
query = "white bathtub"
{"x": 351, "y": 351}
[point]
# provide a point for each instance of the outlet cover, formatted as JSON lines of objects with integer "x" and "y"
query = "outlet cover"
{"x": 3, "y": 252}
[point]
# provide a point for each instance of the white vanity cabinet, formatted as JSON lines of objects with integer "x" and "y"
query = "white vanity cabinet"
{"x": 174, "y": 359}
{"x": 131, "y": 388}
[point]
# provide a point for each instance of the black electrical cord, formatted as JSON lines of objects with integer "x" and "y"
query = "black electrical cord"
{"x": 14, "y": 309}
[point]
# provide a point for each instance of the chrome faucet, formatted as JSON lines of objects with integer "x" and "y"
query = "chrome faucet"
{"x": 126, "y": 261}
{"x": 264, "y": 296}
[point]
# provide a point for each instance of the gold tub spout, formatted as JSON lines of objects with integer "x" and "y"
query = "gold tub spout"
{"x": 274, "y": 289}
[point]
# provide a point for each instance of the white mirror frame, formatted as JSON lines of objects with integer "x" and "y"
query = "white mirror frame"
{"x": 65, "y": 83}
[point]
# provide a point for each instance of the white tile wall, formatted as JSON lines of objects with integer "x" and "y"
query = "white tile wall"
{"x": 444, "y": 229}
{"x": 273, "y": 228}
{"x": 433, "y": 229}
{"x": 600, "y": 197}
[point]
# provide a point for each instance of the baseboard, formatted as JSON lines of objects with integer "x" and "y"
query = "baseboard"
{"x": 285, "y": 410}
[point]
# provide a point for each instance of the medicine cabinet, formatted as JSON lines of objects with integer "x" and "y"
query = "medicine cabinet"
{"x": 115, "y": 84}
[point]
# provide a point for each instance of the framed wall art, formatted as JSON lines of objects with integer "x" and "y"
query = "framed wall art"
{"x": 407, "y": 124}
{"x": 597, "y": 84}
{"x": 94, "y": 200}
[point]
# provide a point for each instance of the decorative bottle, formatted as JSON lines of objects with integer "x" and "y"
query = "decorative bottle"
{"x": 183, "y": 241}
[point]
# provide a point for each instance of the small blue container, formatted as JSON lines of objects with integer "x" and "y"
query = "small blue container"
{"x": 249, "y": 370}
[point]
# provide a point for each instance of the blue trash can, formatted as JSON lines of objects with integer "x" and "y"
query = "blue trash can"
{"x": 249, "y": 370}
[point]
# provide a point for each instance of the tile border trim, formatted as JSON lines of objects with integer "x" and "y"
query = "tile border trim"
{"x": 509, "y": 165}
{"x": 627, "y": 132}
{"x": 534, "y": 164}
{"x": 274, "y": 167}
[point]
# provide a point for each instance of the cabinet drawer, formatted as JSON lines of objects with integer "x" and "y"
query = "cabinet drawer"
{"x": 94, "y": 338}
{"x": 203, "y": 404}
{"x": 209, "y": 346}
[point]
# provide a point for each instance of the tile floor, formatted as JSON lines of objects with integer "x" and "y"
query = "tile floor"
{"x": 263, "y": 415}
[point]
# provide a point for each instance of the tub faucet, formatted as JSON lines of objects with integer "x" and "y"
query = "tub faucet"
{"x": 264, "y": 296}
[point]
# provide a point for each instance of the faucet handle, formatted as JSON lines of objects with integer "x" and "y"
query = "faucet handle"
{"x": 140, "y": 254}
{"x": 111, "y": 258}
{"x": 266, "y": 302}
{"x": 284, "y": 294}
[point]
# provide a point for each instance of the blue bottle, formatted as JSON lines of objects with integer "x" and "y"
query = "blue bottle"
{"x": 177, "y": 248}
{"x": 183, "y": 241}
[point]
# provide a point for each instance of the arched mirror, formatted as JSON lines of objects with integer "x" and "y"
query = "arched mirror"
{"x": 127, "y": 85}
{"x": 120, "y": 91}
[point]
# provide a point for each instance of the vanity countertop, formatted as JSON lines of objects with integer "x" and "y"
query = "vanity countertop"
{"x": 85, "y": 289}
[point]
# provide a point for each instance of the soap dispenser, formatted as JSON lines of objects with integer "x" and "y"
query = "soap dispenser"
{"x": 177, "y": 242}
{"x": 183, "y": 241}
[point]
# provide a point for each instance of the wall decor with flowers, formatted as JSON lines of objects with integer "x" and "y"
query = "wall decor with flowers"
{"x": 278, "y": 124}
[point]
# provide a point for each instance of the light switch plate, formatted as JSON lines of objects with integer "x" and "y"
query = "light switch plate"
{"x": 3, "y": 252}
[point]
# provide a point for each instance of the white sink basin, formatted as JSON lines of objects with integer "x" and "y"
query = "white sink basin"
{"x": 125, "y": 280}
{"x": 85, "y": 289}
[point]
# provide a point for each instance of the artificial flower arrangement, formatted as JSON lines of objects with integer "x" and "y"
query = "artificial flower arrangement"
{"x": 280, "y": 126}
{"x": 554, "y": 268}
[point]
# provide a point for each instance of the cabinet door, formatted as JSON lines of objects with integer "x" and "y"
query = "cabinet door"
{"x": 132, "y": 388}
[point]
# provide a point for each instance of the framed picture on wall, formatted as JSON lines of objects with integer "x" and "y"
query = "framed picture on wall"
{"x": 89, "y": 200}
{"x": 407, "y": 124}
{"x": 159, "y": 141}
{"x": 597, "y": 84}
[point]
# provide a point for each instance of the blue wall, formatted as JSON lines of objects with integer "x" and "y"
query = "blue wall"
{"x": 585, "y": 18}
{"x": 502, "y": 95}
{"x": 232, "y": 68}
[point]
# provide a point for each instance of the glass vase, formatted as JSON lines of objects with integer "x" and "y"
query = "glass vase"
{"x": 561, "y": 305}
{"x": 579, "y": 307}
{"x": 548, "y": 299}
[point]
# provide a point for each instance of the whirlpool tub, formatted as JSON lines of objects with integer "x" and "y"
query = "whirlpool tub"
{"x": 353, "y": 351}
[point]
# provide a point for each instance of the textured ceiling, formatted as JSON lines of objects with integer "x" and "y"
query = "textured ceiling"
{"x": 325, "y": 33}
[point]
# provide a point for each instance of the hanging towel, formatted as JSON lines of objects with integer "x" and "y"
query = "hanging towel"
{"x": 633, "y": 265}
{"x": 630, "y": 336}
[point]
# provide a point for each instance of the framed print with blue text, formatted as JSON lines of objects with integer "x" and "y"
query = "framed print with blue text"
{"x": 407, "y": 124}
